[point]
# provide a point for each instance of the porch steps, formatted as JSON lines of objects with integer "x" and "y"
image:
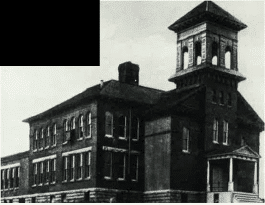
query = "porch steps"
{"x": 246, "y": 198}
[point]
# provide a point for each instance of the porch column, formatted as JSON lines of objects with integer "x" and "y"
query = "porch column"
{"x": 255, "y": 186}
{"x": 231, "y": 183}
{"x": 208, "y": 176}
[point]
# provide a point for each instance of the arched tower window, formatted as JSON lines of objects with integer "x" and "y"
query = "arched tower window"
{"x": 198, "y": 55}
{"x": 185, "y": 58}
{"x": 214, "y": 53}
{"x": 228, "y": 57}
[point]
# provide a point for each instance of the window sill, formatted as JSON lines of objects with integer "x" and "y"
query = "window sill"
{"x": 109, "y": 136}
{"x": 53, "y": 146}
{"x": 80, "y": 179}
{"x": 135, "y": 140}
{"x": 64, "y": 143}
{"x": 16, "y": 188}
{"x": 41, "y": 149}
{"x": 47, "y": 147}
{"x": 214, "y": 103}
{"x": 87, "y": 137}
{"x": 72, "y": 180}
{"x": 46, "y": 183}
{"x": 80, "y": 139}
{"x": 34, "y": 185}
{"x": 108, "y": 178}
{"x": 222, "y": 104}
{"x": 123, "y": 138}
{"x": 88, "y": 178}
{"x": 52, "y": 183}
{"x": 35, "y": 150}
{"x": 225, "y": 144}
{"x": 40, "y": 185}
{"x": 134, "y": 180}
{"x": 215, "y": 142}
{"x": 65, "y": 181}
{"x": 120, "y": 179}
{"x": 186, "y": 152}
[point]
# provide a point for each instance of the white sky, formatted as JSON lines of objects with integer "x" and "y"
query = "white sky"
{"x": 129, "y": 31}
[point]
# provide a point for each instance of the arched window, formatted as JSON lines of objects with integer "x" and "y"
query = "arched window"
{"x": 135, "y": 128}
{"x": 198, "y": 54}
{"x": 88, "y": 122}
{"x": 122, "y": 127}
{"x": 72, "y": 124}
{"x": 185, "y": 58}
{"x": 214, "y": 53}
{"x": 108, "y": 124}
{"x": 80, "y": 127}
{"x": 228, "y": 57}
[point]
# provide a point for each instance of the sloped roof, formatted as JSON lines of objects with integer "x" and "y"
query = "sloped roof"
{"x": 246, "y": 114}
{"x": 207, "y": 11}
{"x": 245, "y": 151}
{"x": 111, "y": 89}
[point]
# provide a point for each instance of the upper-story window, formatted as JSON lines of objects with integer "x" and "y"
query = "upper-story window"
{"x": 185, "y": 59}
{"x": 2, "y": 179}
{"x": 221, "y": 97}
{"x": 54, "y": 133}
{"x": 186, "y": 140}
{"x": 72, "y": 124}
{"x": 214, "y": 96}
{"x": 47, "y": 137}
{"x": 41, "y": 139}
{"x": 228, "y": 57}
{"x": 88, "y": 122}
{"x": 225, "y": 132}
{"x": 122, "y": 127}
{"x": 215, "y": 131}
{"x": 214, "y": 53}
{"x": 65, "y": 130}
{"x": 108, "y": 124}
{"x": 198, "y": 55}
{"x": 35, "y": 140}
{"x": 135, "y": 128}
{"x": 229, "y": 99}
{"x": 80, "y": 127}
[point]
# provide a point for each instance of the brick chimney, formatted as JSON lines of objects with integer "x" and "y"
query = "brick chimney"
{"x": 129, "y": 73}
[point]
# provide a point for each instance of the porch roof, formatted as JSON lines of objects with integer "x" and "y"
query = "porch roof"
{"x": 242, "y": 152}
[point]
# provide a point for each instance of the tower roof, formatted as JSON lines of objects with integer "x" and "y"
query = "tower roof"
{"x": 207, "y": 11}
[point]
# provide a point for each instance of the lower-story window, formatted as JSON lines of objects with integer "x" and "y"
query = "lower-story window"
{"x": 35, "y": 173}
{"x": 121, "y": 165}
{"x": 134, "y": 167}
{"x": 107, "y": 165}
{"x": 65, "y": 170}
{"x": 47, "y": 171}
{"x": 87, "y": 164}
{"x": 72, "y": 169}
{"x": 53, "y": 170}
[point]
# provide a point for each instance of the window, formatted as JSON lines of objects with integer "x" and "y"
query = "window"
{"x": 53, "y": 141}
{"x": 107, "y": 165}
{"x": 121, "y": 166}
{"x": 122, "y": 127}
{"x": 215, "y": 131}
{"x": 214, "y": 53}
{"x": 47, "y": 138}
{"x": 65, "y": 170}
{"x": 221, "y": 97}
{"x": 53, "y": 170}
{"x": 7, "y": 178}
{"x": 216, "y": 198}
{"x": 64, "y": 199}
{"x": 225, "y": 132}
{"x": 35, "y": 140}
{"x": 41, "y": 173}
{"x": 12, "y": 177}
{"x": 185, "y": 58}
{"x": 135, "y": 128}
{"x": 185, "y": 140}
{"x": 72, "y": 168}
{"x": 198, "y": 53}
{"x": 81, "y": 127}
{"x": 229, "y": 99}
{"x": 47, "y": 172}
{"x": 72, "y": 124}
{"x": 87, "y": 164}
{"x": 2, "y": 179}
{"x": 108, "y": 124}
{"x": 79, "y": 164}
{"x": 33, "y": 200}
{"x": 134, "y": 167}
{"x": 41, "y": 139}
{"x": 228, "y": 57}
{"x": 21, "y": 200}
{"x": 52, "y": 199}
{"x": 65, "y": 129}
{"x": 214, "y": 98}
{"x": 88, "y": 120}
{"x": 35, "y": 173}
{"x": 17, "y": 177}
{"x": 86, "y": 196}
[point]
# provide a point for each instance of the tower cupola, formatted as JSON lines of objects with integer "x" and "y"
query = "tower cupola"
{"x": 207, "y": 46}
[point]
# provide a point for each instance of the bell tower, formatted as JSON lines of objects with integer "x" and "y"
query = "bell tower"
{"x": 207, "y": 45}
